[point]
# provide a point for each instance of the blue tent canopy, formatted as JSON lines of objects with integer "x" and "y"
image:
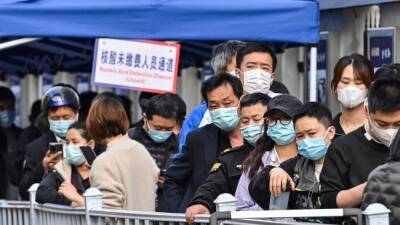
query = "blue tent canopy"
{"x": 292, "y": 21}
{"x": 68, "y": 28}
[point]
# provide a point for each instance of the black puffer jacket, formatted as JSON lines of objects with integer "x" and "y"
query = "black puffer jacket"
{"x": 384, "y": 184}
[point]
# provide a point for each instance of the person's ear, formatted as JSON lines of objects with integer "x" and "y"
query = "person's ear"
{"x": 273, "y": 75}
{"x": 366, "y": 110}
{"x": 237, "y": 71}
{"x": 91, "y": 144}
{"x": 331, "y": 133}
{"x": 144, "y": 116}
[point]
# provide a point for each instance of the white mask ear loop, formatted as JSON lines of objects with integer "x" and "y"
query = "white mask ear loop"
{"x": 366, "y": 105}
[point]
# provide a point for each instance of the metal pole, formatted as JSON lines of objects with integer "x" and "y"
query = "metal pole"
{"x": 313, "y": 74}
{"x": 17, "y": 42}
{"x": 32, "y": 199}
{"x": 306, "y": 74}
{"x": 93, "y": 200}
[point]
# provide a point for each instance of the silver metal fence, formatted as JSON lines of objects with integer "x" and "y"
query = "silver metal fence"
{"x": 14, "y": 212}
{"x": 32, "y": 213}
{"x": 49, "y": 214}
{"x": 109, "y": 216}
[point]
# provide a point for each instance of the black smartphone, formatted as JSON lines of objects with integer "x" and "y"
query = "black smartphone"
{"x": 55, "y": 147}
{"x": 88, "y": 153}
{"x": 163, "y": 172}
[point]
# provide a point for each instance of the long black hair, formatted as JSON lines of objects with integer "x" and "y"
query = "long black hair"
{"x": 254, "y": 161}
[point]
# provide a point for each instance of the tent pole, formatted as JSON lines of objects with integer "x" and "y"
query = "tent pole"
{"x": 17, "y": 42}
{"x": 313, "y": 74}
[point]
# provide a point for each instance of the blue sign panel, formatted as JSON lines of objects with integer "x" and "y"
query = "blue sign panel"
{"x": 381, "y": 51}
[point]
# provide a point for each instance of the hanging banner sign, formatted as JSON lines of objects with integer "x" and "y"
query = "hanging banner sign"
{"x": 150, "y": 66}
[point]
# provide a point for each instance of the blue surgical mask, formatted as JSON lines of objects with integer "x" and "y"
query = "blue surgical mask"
{"x": 7, "y": 118}
{"x": 282, "y": 134}
{"x": 74, "y": 155}
{"x": 252, "y": 133}
{"x": 158, "y": 136}
{"x": 225, "y": 118}
{"x": 312, "y": 148}
{"x": 60, "y": 127}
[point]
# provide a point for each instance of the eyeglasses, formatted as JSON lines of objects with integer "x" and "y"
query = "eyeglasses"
{"x": 272, "y": 122}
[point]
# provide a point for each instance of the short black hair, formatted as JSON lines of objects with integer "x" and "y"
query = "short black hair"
{"x": 86, "y": 99}
{"x": 252, "y": 47}
{"x": 384, "y": 95}
{"x": 144, "y": 99}
{"x": 223, "y": 79}
{"x": 315, "y": 110}
{"x": 253, "y": 99}
{"x": 162, "y": 105}
{"x": 181, "y": 107}
{"x": 388, "y": 71}
{"x": 6, "y": 95}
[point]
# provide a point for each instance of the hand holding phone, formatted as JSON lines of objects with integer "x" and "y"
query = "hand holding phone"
{"x": 52, "y": 156}
{"x": 55, "y": 147}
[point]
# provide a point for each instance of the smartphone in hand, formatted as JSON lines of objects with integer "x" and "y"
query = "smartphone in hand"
{"x": 89, "y": 154}
{"x": 55, "y": 147}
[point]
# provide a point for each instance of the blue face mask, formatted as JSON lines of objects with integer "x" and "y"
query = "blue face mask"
{"x": 312, "y": 148}
{"x": 252, "y": 133}
{"x": 282, "y": 134}
{"x": 225, "y": 118}
{"x": 60, "y": 127}
{"x": 74, "y": 155}
{"x": 7, "y": 118}
{"x": 158, "y": 136}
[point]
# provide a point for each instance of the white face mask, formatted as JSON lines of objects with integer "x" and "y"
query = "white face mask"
{"x": 257, "y": 80}
{"x": 384, "y": 136}
{"x": 351, "y": 96}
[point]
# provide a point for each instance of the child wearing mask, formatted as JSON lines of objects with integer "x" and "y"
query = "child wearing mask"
{"x": 300, "y": 175}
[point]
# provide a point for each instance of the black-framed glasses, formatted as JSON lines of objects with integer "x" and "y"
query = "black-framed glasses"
{"x": 272, "y": 122}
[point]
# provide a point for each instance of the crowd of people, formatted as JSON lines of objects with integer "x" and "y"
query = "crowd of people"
{"x": 249, "y": 137}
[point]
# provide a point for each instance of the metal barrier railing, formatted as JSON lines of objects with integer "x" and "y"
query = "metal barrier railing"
{"x": 272, "y": 217}
{"x": 32, "y": 213}
{"x": 59, "y": 215}
{"x": 132, "y": 217}
{"x": 14, "y": 212}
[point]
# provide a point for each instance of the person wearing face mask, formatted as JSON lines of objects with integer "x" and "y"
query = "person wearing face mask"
{"x": 351, "y": 158}
{"x": 256, "y": 64}
{"x": 61, "y": 105}
{"x": 10, "y": 134}
{"x": 301, "y": 174}
{"x": 69, "y": 179}
{"x": 274, "y": 147}
{"x": 225, "y": 173}
{"x": 353, "y": 75}
{"x": 383, "y": 184}
{"x": 156, "y": 134}
{"x": 223, "y": 60}
{"x": 190, "y": 170}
